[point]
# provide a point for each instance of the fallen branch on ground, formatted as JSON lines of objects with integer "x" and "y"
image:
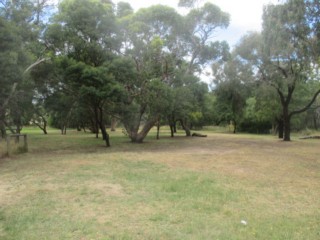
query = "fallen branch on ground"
{"x": 198, "y": 135}
{"x": 310, "y": 137}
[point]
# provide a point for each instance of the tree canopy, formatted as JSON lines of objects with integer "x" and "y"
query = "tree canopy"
{"x": 85, "y": 63}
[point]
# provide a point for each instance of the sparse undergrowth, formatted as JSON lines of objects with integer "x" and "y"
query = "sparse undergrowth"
{"x": 72, "y": 187}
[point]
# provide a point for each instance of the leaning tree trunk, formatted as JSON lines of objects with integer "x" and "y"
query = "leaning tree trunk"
{"x": 105, "y": 134}
{"x": 138, "y": 137}
{"x": 171, "y": 125}
{"x": 185, "y": 128}
{"x": 101, "y": 123}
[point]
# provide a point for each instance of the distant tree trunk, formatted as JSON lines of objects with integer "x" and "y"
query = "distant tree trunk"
{"x": 158, "y": 129}
{"x": 286, "y": 120}
{"x": 114, "y": 123}
{"x": 185, "y": 128}
{"x": 285, "y": 101}
{"x": 3, "y": 129}
{"x": 172, "y": 130}
{"x": 105, "y": 134}
{"x": 286, "y": 128}
{"x": 101, "y": 123}
{"x": 171, "y": 122}
{"x": 235, "y": 126}
{"x": 45, "y": 123}
{"x": 175, "y": 126}
{"x": 19, "y": 128}
{"x": 64, "y": 129}
{"x": 280, "y": 128}
{"x": 12, "y": 130}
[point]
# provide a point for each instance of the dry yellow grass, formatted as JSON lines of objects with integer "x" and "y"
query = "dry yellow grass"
{"x": 70, "y": 187}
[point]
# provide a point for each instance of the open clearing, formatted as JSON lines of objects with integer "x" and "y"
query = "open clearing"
{"x": 72, "y": 187}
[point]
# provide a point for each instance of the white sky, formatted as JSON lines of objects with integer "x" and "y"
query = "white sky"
{"x": 245, "y": 15}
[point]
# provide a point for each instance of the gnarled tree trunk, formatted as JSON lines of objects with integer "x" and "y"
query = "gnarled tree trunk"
{"x": 185, "y": 127}
{"x": 138, "y": 137}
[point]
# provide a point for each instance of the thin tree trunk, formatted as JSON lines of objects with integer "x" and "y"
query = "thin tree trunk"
{"x": 158, "y": 129}
{"x": 105, "y": 135}
{"x": 171, "y": 122}
{"x": 172, "y": 130}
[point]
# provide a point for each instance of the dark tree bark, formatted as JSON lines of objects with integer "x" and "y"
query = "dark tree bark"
{"x": 280, "y": 127}
{"x": 101, "y": 123}
{"x": 234, "y": 126}
{"x": 3, "y": 129}
{"x": 285, "y": 101}
{"x": 158, "y": 129}
{"x": 171, "y": 122}
{"x": 172, "y": 130}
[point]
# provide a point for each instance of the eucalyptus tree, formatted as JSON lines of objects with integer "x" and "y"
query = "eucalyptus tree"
{"x": 233, "y": 83}
{"x": 170, "y": 49}
{"x": 198, "y": 50}
{"x": 18, "y": 36}
{"x": 288, "y": 44}
{"x": 83, "y": 40}
{"x": 283, "y": 56}
{"x": 147, "y": 68}
{"x": 198, "y": 32}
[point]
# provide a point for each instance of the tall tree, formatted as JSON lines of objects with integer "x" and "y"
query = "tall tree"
{"x": 284, "y": 56}
{"x": 17, "y": 36}
{"x": 83, "y": 37}
{"x": 232, "y": 82}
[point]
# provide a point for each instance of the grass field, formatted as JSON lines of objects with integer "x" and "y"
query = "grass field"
{"x": 72, "y": 187}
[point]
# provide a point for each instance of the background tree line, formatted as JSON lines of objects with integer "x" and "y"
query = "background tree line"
{"x": 91, "y": 63}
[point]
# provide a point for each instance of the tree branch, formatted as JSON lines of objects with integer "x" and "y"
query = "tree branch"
{"x": 308, "y": 105}
{"x": 36, "y": 63}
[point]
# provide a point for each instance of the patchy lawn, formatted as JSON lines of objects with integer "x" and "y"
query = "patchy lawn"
{"x": 72, "y": 187}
